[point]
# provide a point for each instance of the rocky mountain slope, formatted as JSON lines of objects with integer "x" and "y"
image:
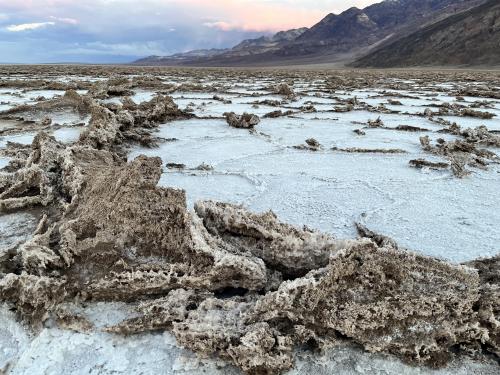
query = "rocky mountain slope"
{"x": 356, "y": 28}
{"x": 468, "y": 38}
{"x": 264, "y": 43}
{"x": 336, "y": 37}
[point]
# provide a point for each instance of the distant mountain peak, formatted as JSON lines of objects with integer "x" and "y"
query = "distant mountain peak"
{"x": 351, "y": 11}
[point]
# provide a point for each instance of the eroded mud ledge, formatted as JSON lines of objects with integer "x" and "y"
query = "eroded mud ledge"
{"x": 224, "y": 280}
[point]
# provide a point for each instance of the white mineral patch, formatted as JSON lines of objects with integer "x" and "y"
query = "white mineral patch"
{"x": 25, "y": 139}
{"x": 431, "y": 212}
{"x": 67, "y": 134}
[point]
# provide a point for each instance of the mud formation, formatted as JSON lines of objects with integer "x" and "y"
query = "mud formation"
{"x": 394, "y": 102}
{"x": 311, "y": 144}
{"x": 464, "y": 153}
{"x": 454, "y": 109}
{"x": 130, "y": 122}
{"x": 478, "y": 136}
{"x": 309, "y": 108}
{"x": 221, "y": 99}
{"x": 278, "y": 113}
{"x": 346, "y": 105}
{"x": 422, "y": 163}
{"x": 370, "y": 150}
{"x": 245, "y": 121}
{"x": 378, "y": 123}
{"x": 118, "y": 86}
{"x": 285, "y": 90}
{"x": 409, "y": 128}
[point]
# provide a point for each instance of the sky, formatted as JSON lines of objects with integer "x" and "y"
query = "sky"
{"x": 118, "y": 31}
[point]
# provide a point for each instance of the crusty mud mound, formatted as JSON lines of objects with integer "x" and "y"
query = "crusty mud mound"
{"x": 245, "y": 121}
{"x": 224, "y": 280}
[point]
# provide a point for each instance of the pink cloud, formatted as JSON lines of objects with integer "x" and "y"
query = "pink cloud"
{"x": 256, "y": 16}
{"x": 224, "y": 15}
{"x": 69, "y": 21}
{"x": 220, "y": 25}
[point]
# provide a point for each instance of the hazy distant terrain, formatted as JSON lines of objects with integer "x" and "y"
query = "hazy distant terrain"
{"x": 244, "y": 51}
{"x": 354, "y": 33}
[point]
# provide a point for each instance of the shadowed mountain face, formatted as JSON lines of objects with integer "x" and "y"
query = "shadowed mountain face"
{"x": 468, "y": 38}
{"x": 336, "y": 37}
{"x": 368, "y": 25}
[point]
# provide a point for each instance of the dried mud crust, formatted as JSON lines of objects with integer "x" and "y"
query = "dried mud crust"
{"x": 244, "y": 121}
{"x": 311, "y": 144}
{"x": 225, "y": 281}
{"x": 462, "y": 153}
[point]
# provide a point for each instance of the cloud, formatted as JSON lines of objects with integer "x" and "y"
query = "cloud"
{"x": 118, "y": 49}
{"x": 28, "y": 26}
{"x": 67, "y": 20}
{"x": 220, "y": 25}
{"x": 89, "y": 29}
{"x": 232, "y": 26}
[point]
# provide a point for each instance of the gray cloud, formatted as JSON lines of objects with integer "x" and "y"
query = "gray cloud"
{"x": 116, "y": 31}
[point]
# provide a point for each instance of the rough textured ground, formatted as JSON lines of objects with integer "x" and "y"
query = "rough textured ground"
{"x": 226, "y": 282}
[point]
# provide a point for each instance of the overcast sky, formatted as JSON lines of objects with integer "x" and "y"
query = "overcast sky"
{"x": 40, "y": 31}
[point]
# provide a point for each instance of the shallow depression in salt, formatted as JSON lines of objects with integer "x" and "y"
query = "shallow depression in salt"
{"x": 24, "y": 139}
{"x": 426, "y": 211}
{"x": 62, "y": 134}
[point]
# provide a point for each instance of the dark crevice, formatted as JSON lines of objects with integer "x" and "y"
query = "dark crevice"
{"x": 230, "y": 292}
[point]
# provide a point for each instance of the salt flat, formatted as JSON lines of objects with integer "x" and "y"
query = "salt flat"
{"x": 368, "y": 127}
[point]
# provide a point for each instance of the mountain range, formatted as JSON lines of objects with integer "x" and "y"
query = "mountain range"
{"x": 387, "y": 34}
{"x": 249, "y": 47}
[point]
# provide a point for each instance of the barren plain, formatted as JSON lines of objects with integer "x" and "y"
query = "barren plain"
{"x": 193, "y": 221}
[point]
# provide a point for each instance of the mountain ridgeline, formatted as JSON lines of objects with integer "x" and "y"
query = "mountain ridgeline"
{"x": 468, "y": 38}
{"x": 386, "y": 34}
{"x": 248, "y": 47}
